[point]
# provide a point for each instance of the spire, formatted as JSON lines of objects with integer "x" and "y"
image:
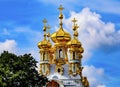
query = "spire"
{"x": 61, "y": 16}
{"x": 44, "y": 27}
{"x": 48, "y": 35}
{"x": 75, "y": 27}
{"x": 74, "y": 21}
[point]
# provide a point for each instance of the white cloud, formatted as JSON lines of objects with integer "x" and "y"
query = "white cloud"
{"x": 8, "y": 45}
{"x": 95, "y": 76}
{"x": 31, "y": 36}
{"x": 11, "y": 46}
{"x": 93, "y": 32}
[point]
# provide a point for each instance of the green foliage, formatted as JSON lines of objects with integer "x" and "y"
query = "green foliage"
{"x": 19, "y": 71}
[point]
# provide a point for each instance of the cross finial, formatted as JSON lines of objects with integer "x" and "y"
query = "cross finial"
{"x": 60, "y": 8}
{"x": 75, "y": 26}
{"x": 44, "y": 27}
{"x": 48, "y": 34}
{"x": 61, "y": 16}
{"x": 44, "y": 21}
{"x": 74, "y": 20}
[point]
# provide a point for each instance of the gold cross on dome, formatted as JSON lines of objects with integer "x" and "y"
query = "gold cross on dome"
{"x": 75, "y": 26}
{"x": 48, "y": 32}
{"x": 74, "y": 20}
{"x": 44, "y": 27}
{"x": 60, "y": 8}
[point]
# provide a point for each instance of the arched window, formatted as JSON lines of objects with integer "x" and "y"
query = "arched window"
{"x": 44, "y": 56}
{"x": 73, "y": 55}
{"x": 60, "y": 53}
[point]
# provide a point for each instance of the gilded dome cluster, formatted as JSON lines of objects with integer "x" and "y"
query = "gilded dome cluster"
{"x": 61, "y": 36}
{"x": 64, "y": 55}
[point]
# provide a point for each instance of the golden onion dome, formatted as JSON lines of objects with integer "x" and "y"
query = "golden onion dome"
{"x": 60, "y": 35}
{"x": 74, "y": 42}
{"x": 44, "y": 44}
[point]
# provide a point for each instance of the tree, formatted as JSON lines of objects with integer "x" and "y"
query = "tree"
{"x": 19, "y": 71}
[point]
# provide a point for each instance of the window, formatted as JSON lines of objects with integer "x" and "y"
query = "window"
{"x": 60, "y": 53}
{"x": 44, "y": 56}
{"x": 59, "y": 70}
{"x": 73, "y": 55}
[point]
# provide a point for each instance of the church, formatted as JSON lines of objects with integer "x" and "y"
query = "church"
{"x": 61, "y": 56}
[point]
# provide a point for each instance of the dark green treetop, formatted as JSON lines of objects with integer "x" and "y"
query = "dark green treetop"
{"x": 19, "y": 71}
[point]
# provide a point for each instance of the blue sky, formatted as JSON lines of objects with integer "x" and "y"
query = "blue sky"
{"x": 99, "y": 21}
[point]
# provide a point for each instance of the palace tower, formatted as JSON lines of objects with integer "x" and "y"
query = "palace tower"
{"x": 61, "y": 61}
